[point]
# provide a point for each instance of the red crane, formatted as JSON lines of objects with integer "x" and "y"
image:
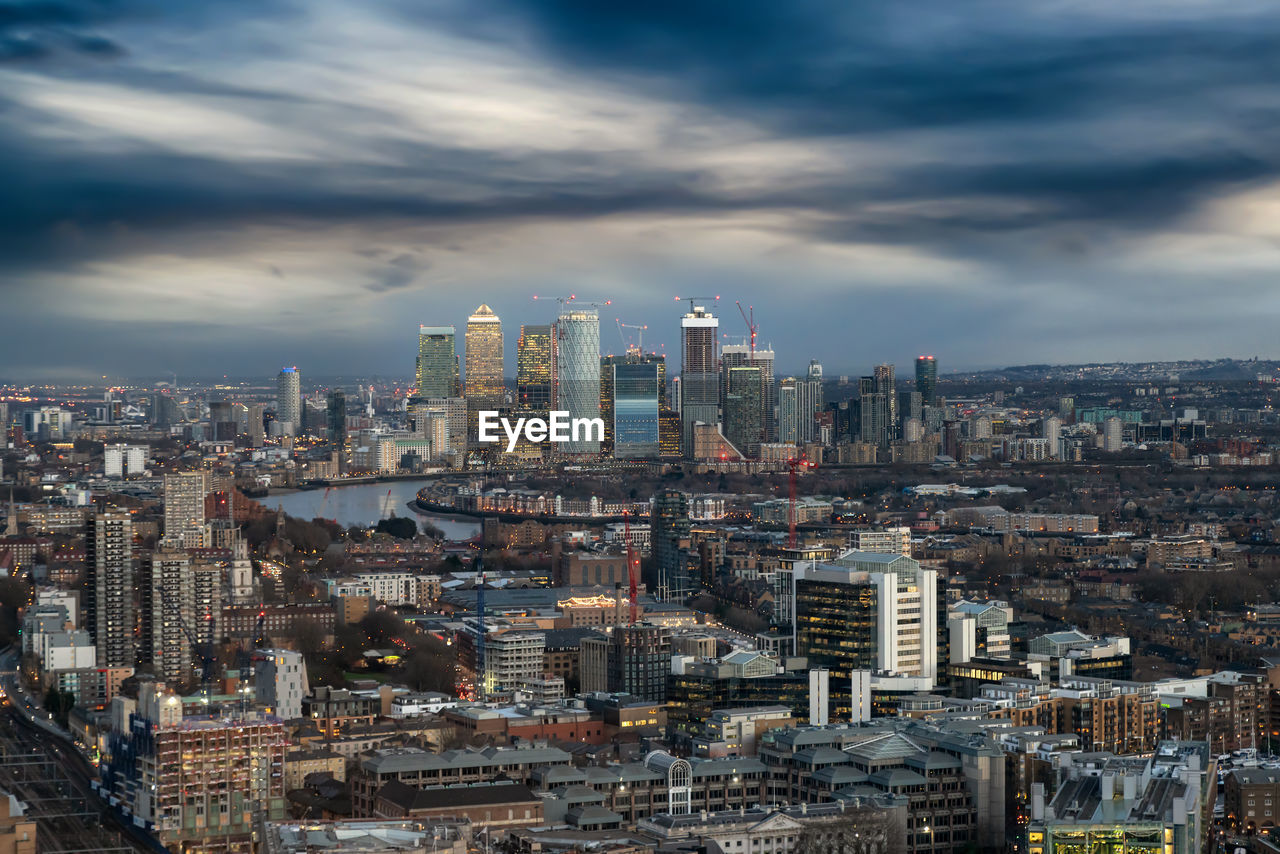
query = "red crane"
{"x": 752, "y": 328}
{"x": 794, "y": 464}
{"x": 633, "y": 563}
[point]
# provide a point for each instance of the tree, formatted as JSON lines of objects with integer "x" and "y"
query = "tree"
{"x": 399, "y": 527}
{"x": 308, "y": 637}
{"x": 859, "y": 830}
{"x": 60, "y": 703}
{"x": 381, "y": 627}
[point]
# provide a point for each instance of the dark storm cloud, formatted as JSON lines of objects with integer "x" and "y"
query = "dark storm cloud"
{"x": 1022, "y": 136}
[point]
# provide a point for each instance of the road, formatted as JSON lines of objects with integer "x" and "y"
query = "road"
{"x": 41, "y": 766}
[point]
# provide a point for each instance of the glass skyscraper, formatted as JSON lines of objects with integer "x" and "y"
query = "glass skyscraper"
{"x": 699, "y": 372}
{"x": 635, "y": 410}
{"x": 575, "y": 355}
{"x": 289, "y": 401}
{"x": 437, "y": 362}
{"x": 742, "y": 410}
{"x": 533, "y": 367}
{"x": 484, "y": 385}
{"x": 927, "y": 379}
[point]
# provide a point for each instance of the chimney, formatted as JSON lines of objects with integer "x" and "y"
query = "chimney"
{"x": 385, "y": 695}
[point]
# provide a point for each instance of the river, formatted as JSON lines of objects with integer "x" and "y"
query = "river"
{"x": 366, "y": 503}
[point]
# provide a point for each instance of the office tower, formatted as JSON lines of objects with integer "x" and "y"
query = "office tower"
{"x": 168, "y": 597}
{"x": 575, "y": 355}
{"x": 788, "y": 418}
{"x": 633, "y": 660}
{"x": 669, "y": 537}
{"x": 422, "y": 414}
{"x": 289, "y": 402}
{"x": 699, "y": 372}
{"x": 607, "y": 364}
{"x": 484, "y": 358}
{"x": 868, "y": 611}
{"x": 669, "y": 434}
{"x": 437, "y": 362}
{"x": 224, "y": 421}
{"x": 109, "y": 587}
{"x": 635, "y": 410}
{"x": 336, "y": 417}
{"x": 815, "y": 370}
{"x": 1067, "y": 409}
{"x": 533, "y": 368}
{"x": 912, "y": 430}
{"x": 1051, "y": 429}
{"x": 927, "y": 379}
{"x": 740, "y": 356}
{"x": 164, "y": 410}
{"x": 280, "y": 682}
{"x": 184, "y": 521}
{"x": 743, "y": 411}
{"x": 886, "y": 385}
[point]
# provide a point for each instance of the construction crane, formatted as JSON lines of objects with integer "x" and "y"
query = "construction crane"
{"x": 633, "y": 563}
{"x": 705, "y": 299}
{"x": 640, "y": 328}
{"x": 324, "y": 502}
{"x": 752, "y": 328}
{"x": 794, "y": 464}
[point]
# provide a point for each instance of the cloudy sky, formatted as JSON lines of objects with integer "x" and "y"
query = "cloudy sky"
{"x": 225, "y": 187}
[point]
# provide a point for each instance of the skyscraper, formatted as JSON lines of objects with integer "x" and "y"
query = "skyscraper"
{"x": 635, "y": 410}
{"x": 927, "y": 379}
{"x": 788, "y": 411}
{"x": 575, "y": 355}
{"x": 289, "y": 402}
{"x": 867, "y": 611}
{"x": 533, "y": 368}
{"x": 886, "y": 384}
{"x": 336, "y": 416}
{"x": 484, "y": 359}
{"x": 669, "y": 535}
{"x": 699, "y": 371}
{"x": 742, "y": 410}
{"x": 109, "y": 587}
{"x": 740, "y": 356}
{"x": 873, "y": 412}
{"x": 437, "y": 362}
{"x": 168, "y": 593}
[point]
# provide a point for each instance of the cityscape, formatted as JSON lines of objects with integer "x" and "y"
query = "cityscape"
{"x": 532, "y": 427}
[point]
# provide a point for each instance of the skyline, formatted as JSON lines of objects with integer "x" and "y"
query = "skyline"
{"x": 250, "y": 185}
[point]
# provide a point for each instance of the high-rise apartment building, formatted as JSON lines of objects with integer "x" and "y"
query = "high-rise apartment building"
{"x": 1051, "y": 431}
{"x": 184, "y": 520}
{"x": 289, "y": 402}
{"x": 669, "y": 536}
{"x": 124, "y": 460}
{"x": 437, "y": 367}
{"x": 575, "y": 354}
{"x": 699, "y": 372}
{"x": 788, "y": 415}
{"x": 109, "y": 587}
{"x": 633, "y": 660}
{"x": 886, "y": 385}
{"x": 741, "y": 356}
{"x": 168, "y": 596}
{"x": 484, "y": 385}
{"x": 635, "y": 408}
{"x": 927, "y": 379}
{"x": 533, "y": 368}
{"x": 743, "y": 411}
